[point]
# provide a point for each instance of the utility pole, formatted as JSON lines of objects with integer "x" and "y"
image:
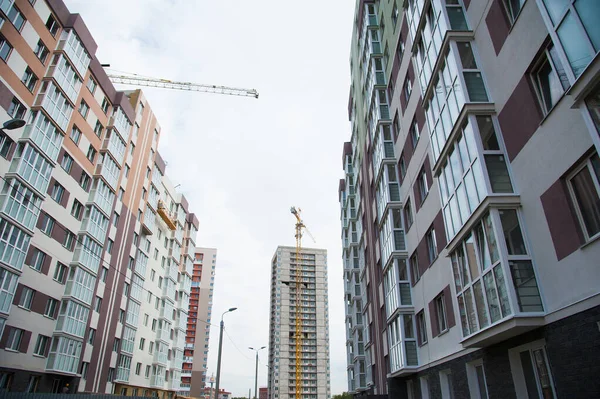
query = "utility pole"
{"x": 220, "y": 349}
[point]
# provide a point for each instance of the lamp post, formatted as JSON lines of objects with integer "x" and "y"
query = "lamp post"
{"x": 11, "y": 124}
{"x": 256, "y": 372}
{"x": 219, "y": 357}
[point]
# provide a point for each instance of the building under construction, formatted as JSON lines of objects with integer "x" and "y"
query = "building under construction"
{"x": 314, "y": 327}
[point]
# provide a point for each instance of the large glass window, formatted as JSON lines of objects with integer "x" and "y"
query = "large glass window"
{"x": 13, "y": 244}
{"x": 20, "y": 203}
{"x": 550, "y": 79}
{"x": 576, "y": 25}
{"x": 585, "y": 190}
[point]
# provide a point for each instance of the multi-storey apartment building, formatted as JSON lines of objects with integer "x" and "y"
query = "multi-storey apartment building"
{"x": 471, "y": 199}
{"x": 198, "y": 324}
{"x": 94, "y": 282}
{"x": 315, "y": 378}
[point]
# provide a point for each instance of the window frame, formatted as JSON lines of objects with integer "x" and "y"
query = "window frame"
{"x": 441, "y": 314}
{"x": 29, "y": 79}
{"x": 26, "y": 298}
{"x": 51, "y": 308}
{"x": 421, "y": 323}
{"x": 545, "y": 57}
{"x": 573, "y": 197}
{"x": 14, "y": 339}
{"x": 41, "y": 345}
{"x": 516, "y": 366}
{"x": 5, "y": 42}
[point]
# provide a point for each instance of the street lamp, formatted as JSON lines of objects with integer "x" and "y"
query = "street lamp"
{"x": 256, "y": 372}
{"x": 13, "y": 124}
{"x": 219, "y": 357}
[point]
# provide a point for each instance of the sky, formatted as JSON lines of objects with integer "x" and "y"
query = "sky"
{"x": 243, "y": 162}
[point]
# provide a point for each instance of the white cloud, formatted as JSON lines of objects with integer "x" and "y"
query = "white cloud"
{"x": 243, "y": 162}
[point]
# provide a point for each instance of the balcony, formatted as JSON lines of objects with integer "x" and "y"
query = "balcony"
{"x": 120, "y": 122}
{"x": 178, "y": 234}
{"x": 69, "y": 43}
{"x": 158, "y": 380}
{"x": 32, "y": 167}
{"x": 156, "y": 177}
{"x": 95, "y": 224}
{"x": 182, "y": 322}
{"x": 66, "y": 77}
{"x": 383, "y": 148}
{"x": 115, "y": 146}
{"x": 45, "y": 135}
{"x": 172, "y": 273}
{"x": 51, "y": 99}
{"x": 109, "y": 170}
{"x": 149, "y": 222}
{"x": 102, "y": 196}
{"x": 166, "y": 312}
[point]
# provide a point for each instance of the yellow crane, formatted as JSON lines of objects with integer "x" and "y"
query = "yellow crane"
{"x": 299, "y": 335}
{"x": 139, "y": 80}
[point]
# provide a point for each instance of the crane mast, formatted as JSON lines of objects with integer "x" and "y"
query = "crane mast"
{"x": 298, "y": 335}
{"x": 138, "y": 80}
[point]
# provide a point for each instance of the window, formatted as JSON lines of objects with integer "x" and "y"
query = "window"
{"x": 138, "y": 368}
{"x": 136, "y": 239}
{"x": 69, "y": 241}
{"x": 16, "y": 18}
{"x": 5, "y": 145}
{"x": 84, "y": 369}
{"x": 47, "y": 224}
{"x": 58, "y": 192}
{"x": 152, "y": 274}
{"x": 407, "y": 89}
{"x": 160, "y": 280}
{"x": 91, "y": 336}
{"x": 111, "y": 374}
{"x": 550, "y": 79}
{"x": 15, "y": 335}
{"x": 153, "y": 324}
{"x": 431, "y": 245}
{"x": 75, "y": 135}
{"x": 531, "y": 370}
{"x": 116, "y": 344}
{"x": 414, "y": 267}
{"x": 105, "y": 105}
{"x": 16, "y": 109}
{"x": 513, "y": 8}
{"x": 115, "y": 219}
{"x": 77, "y": 209}
{"x": 91, "y": 154}
{"x": 126, "y": 289}
{"x": 131, "y": 148}
{"x": 395, "y": 14}
{"x": 5, "y": 48}
{"x": 440, "y": 312}
{"x": 142, "y": 343}
{"x": 60, "y": 273}
{"x": 41, "y": 345}
{"x": 98, "y": 129}
{"x": 29, "y": 79}
{"x": 447, "y": 384}
{"x": 91, "y": 85}
{"x": 408, "y": 216}
{"x": 151, "y": 347}
{"x": 121, "y": 194}
{"x": 51, "y": 306}
{"x": 476, "y": 380}
{"x": 109, "y": 245}
{"x": 52, "y": 25}
{"x": 41, "y": 51}
{"x": 37, "y": 261}
{"x": 98, "y": 305}
{"x": 84, "y": 109}
{"x": 67, "y": 162}
{"x": 421, "y": 328}
{"x": 422, "y": 184}
{"x": 104, "y": 274}
{"x": 85, "y": 180}
{"x": 146, "y": 320}
{"x": 127, "y": 169}
{"x": 26, "y": 298}
{"x": 155, "y": 253}
{"x": 147, "y": 374}
{"x": 131, "y": 263}
{"x": 584, "y": 185}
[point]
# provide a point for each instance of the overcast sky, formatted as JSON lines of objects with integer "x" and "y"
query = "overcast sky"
{"x": 243, "y": 162}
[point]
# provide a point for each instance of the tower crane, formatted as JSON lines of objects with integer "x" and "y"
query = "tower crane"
{"x": 139, "y": 80}
{"x": 299, "y": 335}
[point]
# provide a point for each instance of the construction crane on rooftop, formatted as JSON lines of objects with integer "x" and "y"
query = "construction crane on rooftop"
{"x": 139, "y": 80}
{"x": 299, "y": 335}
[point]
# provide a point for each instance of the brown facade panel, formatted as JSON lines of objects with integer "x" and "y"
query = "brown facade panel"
{"x": 450, "y": 320}
{"x": 497, "y": 25}
{"x": 440, "y": 231}
{"x": 6, "y": 96}
{"x": 160, "y": 163}
{"x": 565, "y": 231}
{"x": 520, "y": 118}
{"x": 435, "y": 329}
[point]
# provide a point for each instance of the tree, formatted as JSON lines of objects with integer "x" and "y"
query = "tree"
{"x": 344, "y": 395}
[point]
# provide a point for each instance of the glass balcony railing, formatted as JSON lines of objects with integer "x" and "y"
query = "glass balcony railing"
{"x": 115, "y": 145}
{"x": 51, "y": 99}
{"x": 69, "y": 42}
{"x": 45, "y": 135}
{"x": 66, "y": 77}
